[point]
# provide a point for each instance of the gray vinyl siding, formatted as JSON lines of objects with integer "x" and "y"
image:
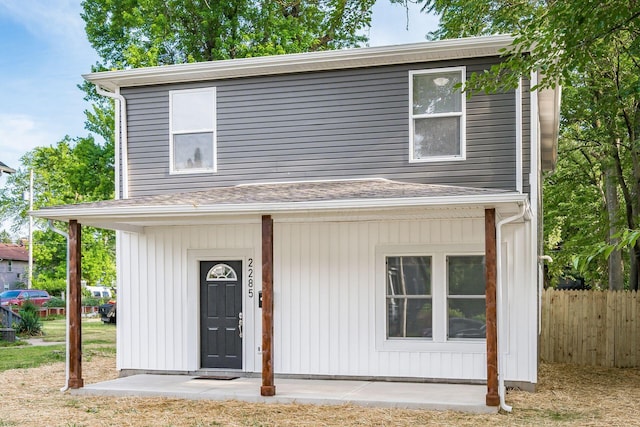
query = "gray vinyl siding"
{"x": 339, "y": 124}
{"x": 526, "y": 135}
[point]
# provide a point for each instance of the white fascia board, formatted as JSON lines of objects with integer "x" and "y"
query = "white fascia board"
{"x": 135, "y": 213}
{"x": 549, "y": 113}
{"x": 441, "y": 50}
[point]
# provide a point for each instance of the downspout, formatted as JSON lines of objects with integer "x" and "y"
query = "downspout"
{"x": 120, "y": 138}
{"x": 499, "y": 303}
{"x": 66, "y": 370}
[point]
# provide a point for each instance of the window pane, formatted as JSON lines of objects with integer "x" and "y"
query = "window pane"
{"x": 193, "y": 151}
{"x": 436, "y": 137}
{"x": 467, "y": 318}
{"x": 192, "y": 111}
{"x": 409, "y": 318}
{"x": 465, "y": 275}
{"x": 409, "y": 275}
{"x": 435, "y": 93}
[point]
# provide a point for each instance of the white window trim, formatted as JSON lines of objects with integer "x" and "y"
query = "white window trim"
{"x": 438, "y": 342}
{"x": 172, "y": 171}
{"x": 462, "y": 114}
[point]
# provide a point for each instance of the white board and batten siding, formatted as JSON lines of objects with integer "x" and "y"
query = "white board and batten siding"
{"x": 328, "y": 297}
{"x": 159, "y": 292}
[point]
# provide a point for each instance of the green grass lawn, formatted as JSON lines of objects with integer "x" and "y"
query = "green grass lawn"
{"x": 97, "y": 338}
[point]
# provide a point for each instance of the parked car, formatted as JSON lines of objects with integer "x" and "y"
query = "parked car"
{"x": 108, "y": 312}
{"x": 19, "y": 296}
{"x": 100, "y": 291}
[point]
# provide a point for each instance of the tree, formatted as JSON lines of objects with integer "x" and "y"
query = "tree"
{"x": 5, "y": 237}
{"x": 137, "y": 33}
{"x": 72, "y": 171}
{"x": 590, "y": 46}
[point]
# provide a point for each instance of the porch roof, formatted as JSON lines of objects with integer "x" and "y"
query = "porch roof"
{"x": 269, "y": 198}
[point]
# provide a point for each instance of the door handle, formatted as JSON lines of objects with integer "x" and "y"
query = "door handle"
{"x": 240, "y": 324}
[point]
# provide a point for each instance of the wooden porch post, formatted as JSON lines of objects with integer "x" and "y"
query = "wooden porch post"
{"x": 75, "y": 306}
{"x": 492, "y": 398}
{"x": 268, "y": 388}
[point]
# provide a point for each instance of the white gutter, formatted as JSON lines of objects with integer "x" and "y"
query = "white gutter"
{"x": 441, "y": 50}
{"x": 121, "y": 103}
{"x": 499, "y": 304}
{"x": 149, "y": 211}
{"x": 66, "y": 370}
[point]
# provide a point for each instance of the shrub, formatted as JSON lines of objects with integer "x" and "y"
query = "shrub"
{"x": 55, "y": 302}
{"x": 90, "y": 302}
{"x": 30, "y": 323}
{"x": 52, "y": 285}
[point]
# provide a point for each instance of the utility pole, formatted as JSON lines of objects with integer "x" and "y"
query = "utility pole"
{"x": 30, "y": 273}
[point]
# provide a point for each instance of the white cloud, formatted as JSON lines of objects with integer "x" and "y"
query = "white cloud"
{"x": 19, "y": 134}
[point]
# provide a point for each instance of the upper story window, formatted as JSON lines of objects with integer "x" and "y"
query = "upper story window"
{"x": 192, "y": 129}
{"x": 437, "y": 115}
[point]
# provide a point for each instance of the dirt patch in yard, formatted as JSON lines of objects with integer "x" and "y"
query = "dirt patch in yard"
{"x": 567, "y": 395}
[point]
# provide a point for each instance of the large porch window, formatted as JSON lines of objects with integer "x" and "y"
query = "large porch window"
{"x": 433, "y": 297}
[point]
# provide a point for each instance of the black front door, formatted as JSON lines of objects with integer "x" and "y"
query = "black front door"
{"x": 221, "y": 314}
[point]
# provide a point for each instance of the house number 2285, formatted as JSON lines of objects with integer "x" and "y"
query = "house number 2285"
{"x": 250, "y": 276}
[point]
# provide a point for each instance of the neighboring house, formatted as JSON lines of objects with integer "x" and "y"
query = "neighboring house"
{"x": 327, "y": 215}
{"x": 5, "y": 169}
{"x": 14, "y": 261}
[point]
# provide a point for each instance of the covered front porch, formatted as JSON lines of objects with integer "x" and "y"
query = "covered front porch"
{"x": 175, "y": 224}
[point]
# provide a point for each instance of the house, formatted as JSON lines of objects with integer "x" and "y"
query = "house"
{"x": 6, "y": 169}
{"x": 14, "y": 262}
{"x": 343, "y": 214}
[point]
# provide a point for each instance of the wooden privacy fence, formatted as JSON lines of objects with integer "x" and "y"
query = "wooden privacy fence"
{"x": 599, "y": 328}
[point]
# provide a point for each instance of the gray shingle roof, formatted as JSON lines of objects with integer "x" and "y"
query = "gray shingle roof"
{"x": 295, "y": 192}
{"x": 276, "y": 198}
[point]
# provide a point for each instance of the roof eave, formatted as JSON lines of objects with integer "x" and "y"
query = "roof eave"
{"x": 549, "y": 100}
{"x": 119, "y": 217}
{"x": 304, "y": 62}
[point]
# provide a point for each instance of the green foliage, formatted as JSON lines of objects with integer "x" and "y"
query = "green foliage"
{"x": 30, "y": 324}
{"x": 5, "y": 237}
{"x": 138, "y": 33}
{"x": 557, "y": 37}
{"x": 55, "y": 302}
{"x": 91, "y": 302}
{"x": 71, "y": 171}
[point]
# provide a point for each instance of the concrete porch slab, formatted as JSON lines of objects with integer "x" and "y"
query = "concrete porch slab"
{"x": 456, "y": 397}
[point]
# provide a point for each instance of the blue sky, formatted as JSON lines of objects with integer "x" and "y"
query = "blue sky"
{"x": 45, "y": 51}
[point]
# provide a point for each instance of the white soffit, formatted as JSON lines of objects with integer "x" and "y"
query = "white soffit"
{"x": 304, "y": 62}
{"x": 549, "y": 116}
{"x": 136, "y": 217}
